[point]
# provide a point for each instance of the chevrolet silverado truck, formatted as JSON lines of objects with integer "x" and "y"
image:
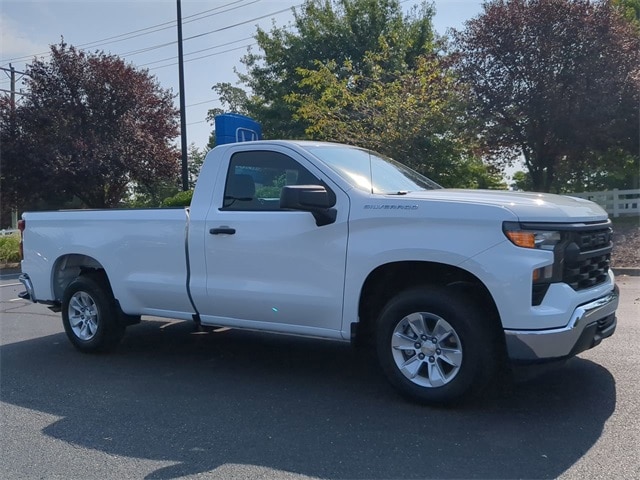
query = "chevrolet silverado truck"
{"x": 337, "y": 242}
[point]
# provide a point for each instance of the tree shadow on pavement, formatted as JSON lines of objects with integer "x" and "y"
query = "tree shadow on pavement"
{"x": 298, "y": 405}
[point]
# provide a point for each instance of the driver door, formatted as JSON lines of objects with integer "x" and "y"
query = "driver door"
{"x": 269, "y": 268}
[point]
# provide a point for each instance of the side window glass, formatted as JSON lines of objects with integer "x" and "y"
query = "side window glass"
{"x": 255, "y": 180}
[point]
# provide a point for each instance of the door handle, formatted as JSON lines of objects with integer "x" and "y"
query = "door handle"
{"x": 222, "y": 230}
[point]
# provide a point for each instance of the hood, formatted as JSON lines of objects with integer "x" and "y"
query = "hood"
{"x": 527, "y": 206}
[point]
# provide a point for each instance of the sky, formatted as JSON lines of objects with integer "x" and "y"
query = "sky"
{"x": 144, "y": 33}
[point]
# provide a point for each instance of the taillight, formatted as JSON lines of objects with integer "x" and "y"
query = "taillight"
{"x": 21, "y": 226}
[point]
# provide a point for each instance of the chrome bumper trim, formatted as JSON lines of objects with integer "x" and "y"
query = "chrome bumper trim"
{"x": 540, "y": 345}
{"x": 29, "y": 294}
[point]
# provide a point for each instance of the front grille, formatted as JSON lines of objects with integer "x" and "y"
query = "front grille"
{"x": 593, "y": 240}
{"x": 586, "y": 274}
{"x": 587, "y": 257}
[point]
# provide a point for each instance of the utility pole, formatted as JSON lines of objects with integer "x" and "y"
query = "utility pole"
{"x": 12, "y": 78}
{"x": 11, "y": 72}
{"x": 12, "y": 105}
{"x": 183, "y": 113}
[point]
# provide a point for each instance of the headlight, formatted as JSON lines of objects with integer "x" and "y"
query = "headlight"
{"x": 541, "y": 239}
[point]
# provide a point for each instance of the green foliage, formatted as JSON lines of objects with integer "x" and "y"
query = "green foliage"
{"x": 324, "y": 31}
{"x": 272, "y": 191}
{"x": 361, "y": 72}
{"x": 473, "y": 173}
{"x": 233, "y": 98}
{"x": 556, "y": 81}
{"x": 180, "y": 199}
{"x": 10, "y": 248}
{"x": 410, "y": 115}
{"x": 600, "y": 171}
{"x": 155, "y": 194}
{"x": 211, "y": 143}
{"x": 522, "y": 181}
{"x": 630, "y": 9}
{"x": 194, "y": 163}
{"x": 149, "y": 196}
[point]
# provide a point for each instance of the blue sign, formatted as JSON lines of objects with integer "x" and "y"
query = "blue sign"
{"x": 233, "y": 127}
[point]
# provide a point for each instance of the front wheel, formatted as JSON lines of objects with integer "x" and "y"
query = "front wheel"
{"x": 434, "y": 346}
{"x": 89, "y": 314}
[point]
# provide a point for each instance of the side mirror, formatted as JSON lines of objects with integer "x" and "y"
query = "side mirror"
{"x": 310, "y": 198}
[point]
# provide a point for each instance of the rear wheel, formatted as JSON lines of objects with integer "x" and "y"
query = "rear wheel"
{"x": 434, "y": 346}
{"x": 89, "y": 314}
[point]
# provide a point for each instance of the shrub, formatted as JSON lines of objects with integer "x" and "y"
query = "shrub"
{"x": 180, "y": 199}
{"x": 10, "y": 248}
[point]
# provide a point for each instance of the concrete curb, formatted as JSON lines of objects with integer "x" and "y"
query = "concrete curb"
{"x": 9, "y": 268}
{"x": 631, "y": 271}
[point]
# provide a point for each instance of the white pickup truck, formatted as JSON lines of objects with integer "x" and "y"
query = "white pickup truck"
{"x": 337, "y": 242}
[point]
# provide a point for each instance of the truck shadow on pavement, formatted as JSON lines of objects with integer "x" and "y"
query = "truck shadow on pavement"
{"x": 302, "y": 406}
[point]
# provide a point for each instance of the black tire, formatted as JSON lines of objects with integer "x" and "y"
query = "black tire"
{"x": 449, "y": 363}
{"x": 90, "y": 316}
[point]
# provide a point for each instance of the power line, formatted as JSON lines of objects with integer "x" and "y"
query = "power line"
{"x": 228, "y": 27}
{"x": 171, "y": 25}
{"x": 204, "y": 56}
{"x": 202, "y": 103}
{"x": 166, "y": 44}
{"x": 238, "y": 24}
{"x": 221, "y": 29}
{"x": 165, "y": 25}
{"x": 197, "y": 51}
{"x": 147, "y": 49}
{"x": 148, "y": 30}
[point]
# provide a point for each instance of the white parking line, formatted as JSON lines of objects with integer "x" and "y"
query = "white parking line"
{"x": 10, "y": 284}
{"x": 168, "y": 324}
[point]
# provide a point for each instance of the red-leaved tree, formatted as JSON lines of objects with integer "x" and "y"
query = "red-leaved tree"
{"x": 557, "y": 82}
{"x": 89, "y": 127}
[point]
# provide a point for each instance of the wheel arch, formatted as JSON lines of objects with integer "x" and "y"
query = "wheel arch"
{"x": 387, "y": 280}
{"x": 69, "y": 267}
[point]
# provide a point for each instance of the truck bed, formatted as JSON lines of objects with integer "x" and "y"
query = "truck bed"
{"x": 142, "y": 251}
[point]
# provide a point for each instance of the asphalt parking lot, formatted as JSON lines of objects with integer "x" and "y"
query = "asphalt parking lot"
{"x": 170, "y": 403}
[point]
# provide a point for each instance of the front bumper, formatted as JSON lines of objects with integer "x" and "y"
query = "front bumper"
{"x": 589, "y": 324}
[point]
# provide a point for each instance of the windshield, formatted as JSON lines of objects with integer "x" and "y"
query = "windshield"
{"x": 370, "y": 171}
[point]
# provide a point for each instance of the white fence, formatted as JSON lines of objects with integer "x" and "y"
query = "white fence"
{"x": 615, "y": 202}
{"x": 8, "y": 231}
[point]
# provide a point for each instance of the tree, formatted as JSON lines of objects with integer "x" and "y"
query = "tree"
{"x": 91, "y": 126}
{"x": 521, "y": 181}
{"x": 156, "y": 195}
{"x": 23, "y": 183}
{"x": 8, "y": 170}
{"x": 555, "y": 81}
{"x": 359, "y": 71}
{"x": 325, "y": 30}
{"x": 196, "y": 160}
{"x": 630, "y": 9}
{"x": 233, "y": 99}
{"x": 409, "y": 114}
